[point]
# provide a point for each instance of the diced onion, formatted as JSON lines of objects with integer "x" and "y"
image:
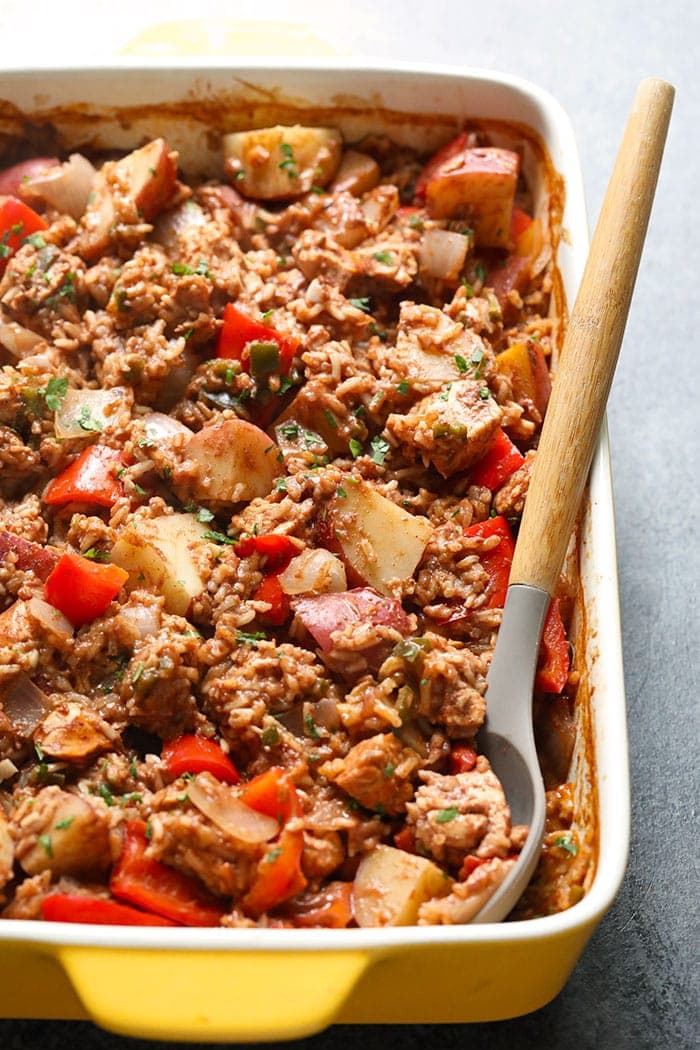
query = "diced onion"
{"x": 171, "y": 224}
{"x": 7, "y": 769}
{"x": 443, "y": 254}
{"x": 25, "y": 705}
{"x": 49, "y": 617}
{"x": 326, "y": 714}
{"x": 17, "y": 340}
{"x": 83, "y": 412}
{"x": 144, "y": 619}
{"x": 218, "y": 802}
{"x": 313, "y": 570}
{"x": 66, "y": 188}
{"x": 162, "y": 429}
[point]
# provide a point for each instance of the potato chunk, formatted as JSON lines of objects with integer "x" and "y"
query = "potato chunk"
{"x": 478, "y": 185}
{"x": 281, "y": 162}
{"x": 236, "y": 461}
{"x": 378, "y": 540}
{"x": 390, "y": 886}
{"x": 158, "y": 552}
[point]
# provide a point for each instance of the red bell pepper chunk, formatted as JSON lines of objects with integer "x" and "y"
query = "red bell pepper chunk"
{"x": 448, "y": 151}
{"x": 272, "y": 793}
{"x": 462, "y": 759}
{"x": 277, "y": 549}
{"x": 470, "y": 864}
{"x": 73, "y": 907}
{"x": 83, "y": 589}
{"x": 554, "y": 660}
{"x": 17, "y": 221}
{"x": 239, "y": 330}
{"x": 519, "y": 222}
{"x": 197, "y": 754}
{"x": 279, "y": 875}
{"x": 405, "y": 839}
{"x": 270, "y": 591}
{"x": 149, "y": 884}
{"x": 502, "y": 460}
{"x": 91, "y": 478}
{"x": 497, "y": 561}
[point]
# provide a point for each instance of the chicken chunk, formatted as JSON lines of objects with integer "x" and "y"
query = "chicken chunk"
{"x": 64, "y": 833}
{"x": 467, "y": 813}
{"x": 452, "y": 430}
{"x": 376, "y": 772}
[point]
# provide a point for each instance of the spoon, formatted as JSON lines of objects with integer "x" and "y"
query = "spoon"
{"x": 567, "y": 442}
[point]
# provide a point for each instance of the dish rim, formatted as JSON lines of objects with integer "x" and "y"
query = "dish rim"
{"x": 611, "y": 777}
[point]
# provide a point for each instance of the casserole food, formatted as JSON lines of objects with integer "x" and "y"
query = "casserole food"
{"x": 348, "y": 958}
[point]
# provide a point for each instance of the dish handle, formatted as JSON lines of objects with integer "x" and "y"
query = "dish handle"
{"x": 208, "y": 996}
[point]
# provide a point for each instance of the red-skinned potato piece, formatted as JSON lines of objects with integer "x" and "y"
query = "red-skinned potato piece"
{"x": 13, "y": 178}
{"x": 146, "y": 178}
{"x": 324, "y": 614}
{"x": 151, "y": 174}
{"x": 479, "y": 185}
{"x": 28, "y": 555}
{"x": 378, "y": 540}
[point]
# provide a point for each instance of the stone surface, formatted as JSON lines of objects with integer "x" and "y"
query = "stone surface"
{"x": 636, "y": 985}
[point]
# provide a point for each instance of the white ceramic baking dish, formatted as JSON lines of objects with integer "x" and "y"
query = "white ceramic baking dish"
{"x": 275, "y": 984}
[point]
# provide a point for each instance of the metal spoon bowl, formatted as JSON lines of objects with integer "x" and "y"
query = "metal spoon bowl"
{"x": 567, "y": 442}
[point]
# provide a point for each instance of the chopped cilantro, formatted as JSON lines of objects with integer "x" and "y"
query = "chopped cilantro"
{"x": 86, "y": 421}
{"x": 415, "y": 222}
{"x": 266, "y": 314}
{"x": 477, "y": 361}
{"x": 288, "y": 164}
{"x": 341, "y": 492}
{"x": 280, "y": 485}
{"x": 203, "y": 268}
{"x": 403, "y": 387}
{"x": 332, "y": 421}
{"x": 182, "y": 269}
{"x": 36, "y": 240}
{"x": 104, "y": 792}
{"x": 45, "y": 843}
{"x": 361, "y": 304}
{"x": 384, "y": 257}
{"x": 310, "y": 727}
{"x": 250, "y": 637}
{"x": 468, "y": 288}
{"x": 273, "y": 854}
{"x": 204, "y": 516}
{"x": 484, "y": 393}
{"x": 95, "y": 554}
{"x": 565, "y": 842}
{"x": 290, "y": 431}
{"x": 388, "y": 770}
{"x": 461, "y": 363}
{"x": 355, "y": 448}
{"x": 56, "y": 390}
{"x": 218, "y": 537}
{"x": 63, "y": 825}
{"x": 140, "y": 668}
{"x": 480, "y": 270}
{"x": 444, "y": 816}
{"x": 380, "y": 449}
{"x": 270, "y": 736}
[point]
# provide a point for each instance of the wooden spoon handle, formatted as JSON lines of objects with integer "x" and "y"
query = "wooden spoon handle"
{"x": 592, "y": 344}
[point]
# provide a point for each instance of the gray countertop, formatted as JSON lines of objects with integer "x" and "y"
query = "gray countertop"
{"x": 636, "y": 984}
